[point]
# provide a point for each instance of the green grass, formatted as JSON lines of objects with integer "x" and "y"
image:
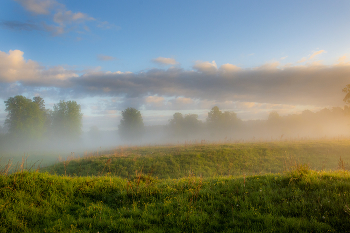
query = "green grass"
{"x": 300, "y": 201}
{"x": 209, "y": 160}
{"x": 245, "y": 187}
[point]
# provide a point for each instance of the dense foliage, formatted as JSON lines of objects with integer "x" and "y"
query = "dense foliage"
{"x": 187, "y": 126}
{"x": 131, "y": 125}
{"x": 26, "y": 118}
{"x": 67, "y": 119}
{"x": 29, "y": 120}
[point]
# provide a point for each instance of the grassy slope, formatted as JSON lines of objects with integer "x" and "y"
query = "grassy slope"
{"x": 210, "y": 160}
{"x": 301, "y": 201}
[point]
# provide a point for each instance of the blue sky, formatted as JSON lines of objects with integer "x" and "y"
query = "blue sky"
{"x": 162, "y": 57}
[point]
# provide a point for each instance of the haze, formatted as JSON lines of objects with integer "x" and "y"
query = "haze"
{"x": 280, "y": 66}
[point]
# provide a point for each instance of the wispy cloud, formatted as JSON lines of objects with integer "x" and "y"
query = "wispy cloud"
{"x": 64, "y": 17}
{"x": 106, "y": 25}
{"x": 21, "y": 26}
{"x": 302, "y": 60}
{"x": 165, "y": 61}
{"x": 62, "y": 20}
{"x": 38, "y": 7}
{"x": 316, "y": 53}
{"x": 102, "y": 57}
{"x": 312, "y": 56}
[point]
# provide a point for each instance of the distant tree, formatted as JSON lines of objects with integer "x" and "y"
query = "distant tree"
{"x": 40, "y": 102}
{"x": 181, "y": 126}
{"x": 214, "y": 116}
{"x": 66, "y": 119}
{"x": 25, "y": 118}
{"x": 176, "y": 124}
{"x": 131, "y": 125}
{"x": 47, "y": 112}
{"x": 274, "y": 117}
{"x": 346, "y": 90}
{"x": 223, "y": 121}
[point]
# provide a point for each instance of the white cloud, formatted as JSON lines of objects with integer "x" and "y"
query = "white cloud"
{"x": 205, "y": 67}
{"x": 13, "y": 68}
{"x": 229, "y": 68}
{"x": 165, "y": 61}
{"x": 176, "y": 88}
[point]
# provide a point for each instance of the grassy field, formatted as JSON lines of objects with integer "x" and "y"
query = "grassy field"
{"x": 257, "y": 187}
{"x": 208, "y": 160}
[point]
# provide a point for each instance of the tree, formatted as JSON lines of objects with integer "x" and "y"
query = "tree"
{"x": 346, "y": 90}
{"x": 274, "y": 117}
{"x": 181, "y": 126}
{"x": 131, "y": 125}
{"x": 176, "y": 124}
{"x": 25, "y": 119}
{"x": 67, "y": 119}
{"x": 222, "y": 121}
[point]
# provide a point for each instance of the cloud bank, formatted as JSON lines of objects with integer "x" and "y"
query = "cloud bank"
{"x": 272, "y": 83}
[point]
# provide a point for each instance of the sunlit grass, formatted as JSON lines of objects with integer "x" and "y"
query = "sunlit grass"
{"x": 257, "y": 187}
{"x": 208, "y": 160}
{"x": 300, "y": 201}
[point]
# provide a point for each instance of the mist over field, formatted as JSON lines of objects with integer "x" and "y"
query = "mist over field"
{"x": 77, "y": 78}
{"x": 187, "y": 128}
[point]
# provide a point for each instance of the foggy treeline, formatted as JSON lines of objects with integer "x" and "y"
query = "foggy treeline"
{"x": 226, "y": 126}
{"x": 221, "y": 126}
{"x": 30, "y": 126}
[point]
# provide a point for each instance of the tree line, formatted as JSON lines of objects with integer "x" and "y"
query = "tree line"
{"x": 28, "y": 119}
{"x": 180, "y": 126}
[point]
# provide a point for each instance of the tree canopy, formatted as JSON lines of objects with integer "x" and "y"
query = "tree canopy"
{"x": 26, "y": 118}
{"x": 131, "y": 125}
{"x": 184, "y": 126}
{"x": 346, "y": 90}
{"x": 218, "y": 120}
{"x": 67, "y": 119}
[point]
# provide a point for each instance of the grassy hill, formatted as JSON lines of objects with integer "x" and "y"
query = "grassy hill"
{"x": 208, "y": 160}
{"x": 300, "y": 201}
{"x": 177, "y": 196}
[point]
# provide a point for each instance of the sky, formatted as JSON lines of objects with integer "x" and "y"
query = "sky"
{"x": 162, "y": 57}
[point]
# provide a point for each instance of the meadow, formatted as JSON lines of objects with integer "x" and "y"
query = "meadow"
{"x": 286, "y": 186}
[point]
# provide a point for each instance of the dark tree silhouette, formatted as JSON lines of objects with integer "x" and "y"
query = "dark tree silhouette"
{"x": 131, "y": 125}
